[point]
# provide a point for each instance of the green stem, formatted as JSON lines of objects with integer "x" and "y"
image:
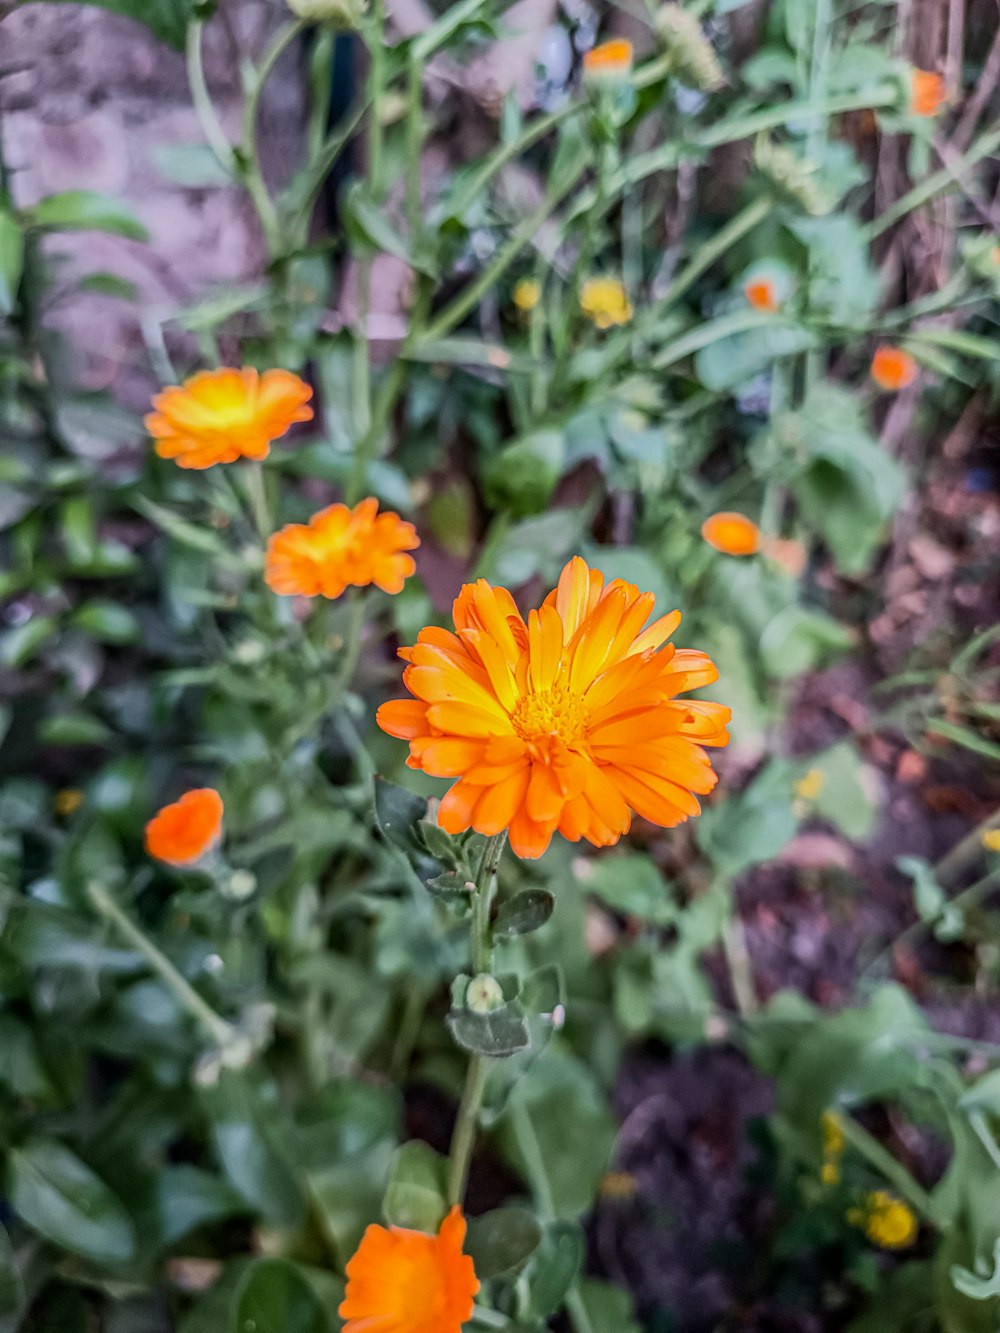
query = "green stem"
{"x": 256, "y": 490}
{"x": 926, "y": 190}
{"x": 211, "y": 126}
{"x": 414, "y": 135}
{"x": 741, "y": 321}
{"x": 351, "y": 650}
{"x": 376, "y": 81}
{"x": 464, "y": 1134}
{"x": 887, "y": 1165}
{"x": 217, "y": 1027}
{"x": 706, "y": 254}
{"x": 467, "y": 299}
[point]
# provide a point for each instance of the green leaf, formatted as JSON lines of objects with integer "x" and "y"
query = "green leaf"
{"x": 500, "y": 1033}
{"x": 525, "y": 912}
{"x": 975, "y": 1287}
{"x": 11, "y": 1284}
{"x": 417, "y": 1193}
{"x": 799, "y": 639}
{"x": 843, "y": 799}
{"x": 984, "y": 1095}
{"x": 751, "y": 826}
{"x": 502, "y": 1241}
{"x": 187, "y": 1197}
{"x": 554, "y": 1267}
{"x": 397, "y": 812}
{"x": 629, "y": 883}
{"x": 275, "y": 1297}
{"x": 64, "y": 1201}
{"x": 108, "y": 621}
{"x": 730, "y": 362}
{"x": 20, "y": 645}
{"x": 192, "y": 165}
{"x": 522, "y": 476}
{"x": 21, "y": 1069}
{"x": 11, "y": 260}
{"x": 609, "y": 1307}
{"x": 166, "y": 19}
{"x": 85, "y": 210}
{"x": 369, "y": 228}
{"x": 252, "y": 1148}
{"x": 76, "y": 727}
{"x": 109, "y": 284}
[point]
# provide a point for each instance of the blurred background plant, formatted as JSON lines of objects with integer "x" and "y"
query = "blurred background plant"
{"x": 717, "y": 311}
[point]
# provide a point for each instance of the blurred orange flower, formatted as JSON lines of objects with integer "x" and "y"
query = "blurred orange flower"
{"x": 893, "y": 369}
{"x": 218, "y": 416}
{"x": 927, "y": 92}
{"x": 183, "y": 832}
{"x": 610, "y": 60}
{"x": 762, "y": 295}
{"x": 340, "y": 547}
{"x": 563, "y": 722}
{"x": 402, "y": 1281}
{"x": 731, "y": 533}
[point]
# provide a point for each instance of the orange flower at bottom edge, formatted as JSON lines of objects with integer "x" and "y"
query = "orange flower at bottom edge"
{"x": 221, "y": 415}
{"x": 731, "y": 533}
{"x": 340, "y": 547}
{"x": 183, "y": 832}
{"x": 927, "y": 92}
{"x": 762, "y": 295}
{"x": 569, "y": 720}
{"x": 893, "y": 369}
{"x": 402, "y": 1281}
{"x": 610, "y": 60}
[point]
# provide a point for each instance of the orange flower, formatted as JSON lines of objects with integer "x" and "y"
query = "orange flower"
{"x": 609, "y": 61}
{"x": 402, "y": 1281}
{"x": 182, "y": 833}
{"x": 218, "y": 416}
{"x": 927, "y": 92}
{"x": 732, "y": 534}
{"x": 893, "y": 369}
{"x": 762, "y": 295}
{"x": 563, "y": 722}
{"x": 341, "y": 546}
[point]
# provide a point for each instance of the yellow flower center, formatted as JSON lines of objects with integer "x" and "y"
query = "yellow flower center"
{"x": 555, "y": 712}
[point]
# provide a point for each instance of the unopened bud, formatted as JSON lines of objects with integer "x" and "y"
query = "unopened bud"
{"x": 682, "y": 37}
{"x": 483, "y": 994}
{"x": 795, "y": 177}
{"x": 240, "y": 885}
{"x": 343, "y": 14}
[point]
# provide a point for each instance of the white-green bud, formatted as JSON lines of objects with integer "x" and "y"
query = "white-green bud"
{"x": 483, "y": 994}
{"x": 343, "y": 14}
{"x": 240, "y": 885}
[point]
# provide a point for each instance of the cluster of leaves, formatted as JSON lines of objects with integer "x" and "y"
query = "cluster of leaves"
{"x": 198, "y": 1068}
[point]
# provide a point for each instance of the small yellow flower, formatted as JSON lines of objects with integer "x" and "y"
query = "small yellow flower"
{"x": 833, "y": 1134}
{"x": 887, "y": 1221}
{"x": 618, "y": 1185}
{"x": 605, "y": 302}
{"x": 990, "y": 838}
{"x": 808, "y": 789}
{"x": 830, "y": 1173}
{"x": 67, "y": 801}
{"x": 527, "y": 294}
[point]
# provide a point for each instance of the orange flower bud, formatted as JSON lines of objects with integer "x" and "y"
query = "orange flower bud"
{"x": 608, "y": 62}
{"x": 927, "y": 92}
{"x": 732, "y": 534}
{"x": 762, "y": 295}
{"x": 893, "y": 369}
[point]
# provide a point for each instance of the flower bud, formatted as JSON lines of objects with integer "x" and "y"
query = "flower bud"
{"x": 682, "y": 37}
{"x": 795, "y": 177}
{"x": 483, "y": 994}
{"x": 240, "y": 885}
{"x": 343, "y": 14}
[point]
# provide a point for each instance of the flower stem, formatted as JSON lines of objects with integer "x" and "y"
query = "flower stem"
{"x": 217, "y": 1027}
{"x": 475, "y": 1080}
{"x": 896, "y": 1174}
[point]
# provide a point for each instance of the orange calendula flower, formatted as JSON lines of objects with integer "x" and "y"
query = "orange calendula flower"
{"x": 609, "y": 61}
{"x": 218, "y": 416}
{"x": 762, "y": 295}
{"x": 893, "y": 369}
{"x": 182, "y": 833}
{"x": 402, "y": 1281}
{"x": 731, "y": 533}
{"x": 927, "y": 92}
{"x": 569, "y": 720}
{"x": 339, "y": 547}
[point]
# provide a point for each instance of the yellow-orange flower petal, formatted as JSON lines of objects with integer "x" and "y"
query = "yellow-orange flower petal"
{"x": 610, "y": 61}
{"x": 183, "y": 832}
{"x": 341, "y": 547}
{"x": 887, "y": 1221}
{"x": 762, "y": 295}
{"x": 927, "y": 92}
{"x": 218, "y": 416}
{"x": 731, "y": 533}
{"x": 569, "y": 720}
{"x": 605, "y": 302}
{"x": 402, "y": 1281}
{"x": 893, "y": 369}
